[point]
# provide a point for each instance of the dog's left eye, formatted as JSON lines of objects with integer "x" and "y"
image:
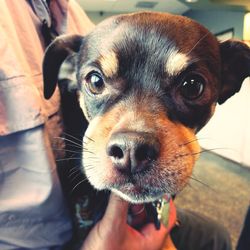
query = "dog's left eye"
{"x": 192, "y": 87}
{"x": 95, "y": 82}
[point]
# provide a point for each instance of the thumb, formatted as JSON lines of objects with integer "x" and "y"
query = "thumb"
{"x": 149, "y": 231}
{"x": 116, "y": 211}
{"x": 152, "y": 237}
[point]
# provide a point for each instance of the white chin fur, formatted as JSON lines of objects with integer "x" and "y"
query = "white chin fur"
{"x": 133, "y": 199}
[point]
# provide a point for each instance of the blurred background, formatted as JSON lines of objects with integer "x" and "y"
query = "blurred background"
{"x": 217, "y": 15}
{"x": 220, "y": 185}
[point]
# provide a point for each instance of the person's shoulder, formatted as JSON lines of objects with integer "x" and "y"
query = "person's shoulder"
{"x": 78, "y": 21}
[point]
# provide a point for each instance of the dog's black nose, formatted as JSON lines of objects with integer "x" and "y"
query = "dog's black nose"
{"x": 133, "y": 152}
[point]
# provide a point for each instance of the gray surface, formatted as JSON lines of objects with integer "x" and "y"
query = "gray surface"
{"x": 225, "y": 194}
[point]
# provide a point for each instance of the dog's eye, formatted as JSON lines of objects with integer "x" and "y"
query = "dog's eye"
{"x": 192, "y": 87}
{"x": 95, "y": 82}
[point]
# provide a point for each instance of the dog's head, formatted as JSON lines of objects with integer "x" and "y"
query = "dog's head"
{"x": 146, "y": 82}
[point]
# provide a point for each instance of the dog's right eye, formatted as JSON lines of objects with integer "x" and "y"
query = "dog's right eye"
{"x": 192, "y": 87}
{"x": 95, "y": 82}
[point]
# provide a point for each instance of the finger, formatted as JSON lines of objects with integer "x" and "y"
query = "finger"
{"x": 116, "y": 211}
{"x": 172, "y": 216}
{"x": 168, "y": 243}
{"x": 149, "y": 230}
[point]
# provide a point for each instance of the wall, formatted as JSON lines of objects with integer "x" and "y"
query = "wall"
{"x": 218, "y": 20}
{"x": 228, "y": 133}
{"x": 215, "y": 20}
{"x": 246, "y": 32}
{"x": 97, "y": 17}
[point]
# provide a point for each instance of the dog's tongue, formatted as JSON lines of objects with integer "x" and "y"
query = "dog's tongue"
{"x": 137, "y": 215}
{"x": 137, "y": 209}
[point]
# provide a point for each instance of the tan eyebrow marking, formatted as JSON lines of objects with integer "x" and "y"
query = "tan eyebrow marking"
{"x": 176, "y": 62}
{"x": 109, "y": 64}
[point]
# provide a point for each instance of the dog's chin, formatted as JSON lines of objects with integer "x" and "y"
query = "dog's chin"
{"x": 136, "y": 192}
{"x": 130, "y": 192}
{"x": 137, "y": 195}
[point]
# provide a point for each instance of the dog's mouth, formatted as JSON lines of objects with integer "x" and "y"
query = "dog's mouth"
{"x": 137, "y": 194}
{"x": 135, "y": 191}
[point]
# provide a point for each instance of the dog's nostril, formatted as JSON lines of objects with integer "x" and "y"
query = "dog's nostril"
{"x": 116, "y": 152}
{"x": 146, "y": 153}
{"x": 141, "y": 153}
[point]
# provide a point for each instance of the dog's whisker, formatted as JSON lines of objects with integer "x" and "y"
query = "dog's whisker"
{"x": 74, "y": 172}
{"x": 66, "y": 150}
{"x": 75, "y": 167}
{"x": 192, "y": 186}
{"x": 74, "y": 146}
{"x": 92, "y": 158}
{"x": 68, "y": 140}
{"x": 201, "y": 182}
{"x": 79, "y": 183}
{"x": 189, "y": 185}
{"x": 73, "y": 151}
{"x": 70, "y": 158}
{"x": 77, "y": 175}
{"x": 194, "y": 140}
{"x": 89, "y": 138}
{"x": 73, "y": 137}
{"x": 89, "y": 167}
{"x": 194, "y": 153}
{"x": 72, "y": 155}
{"x": 88, "y": 151}
{"x": 207, "y": 150}
{"x": 92, "y": 166}
{"x": 186, "y": 143}
{"x": 203, "y": 37}
{"x": 86, "y": 165}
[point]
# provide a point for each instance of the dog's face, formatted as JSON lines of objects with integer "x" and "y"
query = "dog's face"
{"x": 146, "y": 82}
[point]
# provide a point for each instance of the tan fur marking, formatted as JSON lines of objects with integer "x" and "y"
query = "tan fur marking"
{"x": 109, "y": 64}
{"x": 82, "y": 105}
{"x": 176, "y": 62}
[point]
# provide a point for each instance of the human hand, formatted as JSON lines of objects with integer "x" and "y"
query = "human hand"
{"x": 113, "y": 233}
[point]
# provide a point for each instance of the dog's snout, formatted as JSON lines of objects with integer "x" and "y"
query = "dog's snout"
{"x": 132, "y": 152}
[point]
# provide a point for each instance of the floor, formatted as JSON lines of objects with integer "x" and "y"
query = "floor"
{"x": 220, "y": 190}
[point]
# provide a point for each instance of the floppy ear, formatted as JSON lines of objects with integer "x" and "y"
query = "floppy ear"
{"x": 55, "y": 54}
{"x": 235, "y": 59}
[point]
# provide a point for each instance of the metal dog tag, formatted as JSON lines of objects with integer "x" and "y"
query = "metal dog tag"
{"x": 158, "y": 211}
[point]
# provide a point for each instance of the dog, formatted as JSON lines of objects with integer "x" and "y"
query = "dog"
{"x": 146, "y": 83}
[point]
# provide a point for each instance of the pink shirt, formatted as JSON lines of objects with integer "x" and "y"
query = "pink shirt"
{"x": 21, "y": 50}
{"x": 33, "y": 214}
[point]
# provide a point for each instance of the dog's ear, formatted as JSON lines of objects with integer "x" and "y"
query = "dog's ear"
{"x": 55, "y": 54}
{"x": 235, "y": 60}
